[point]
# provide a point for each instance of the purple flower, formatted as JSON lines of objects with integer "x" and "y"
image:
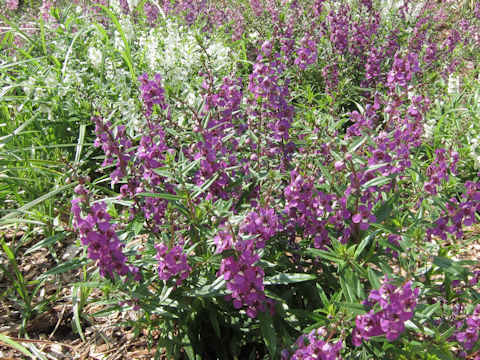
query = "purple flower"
{"x": 364, "y": 216}
{"x": 151, "y": 12}
{"x": 402, "y": 70}
{"x": 306, "y": 53}
{"x": 305, "y": 207}
{"x": 264, "y": 223}
{"x": 257, "y": 7}
{"x": 98, "y": 234}
{"x": 12, "y": 4}
{"x": 270, "y": 98}
{"x": 152, "y": 92}
{"x": 459, "y": 214}
{"x": 314, "y": 346}
{"x": 172, "y": 263}
{"x": 397, "y": 305}
{"x": 468, "y": 333}
{"x": 244, "y": 279}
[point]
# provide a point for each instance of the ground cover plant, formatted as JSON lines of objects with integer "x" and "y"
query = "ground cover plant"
{"x": 242, "y": 179}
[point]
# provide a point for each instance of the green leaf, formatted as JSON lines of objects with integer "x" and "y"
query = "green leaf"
{"x": 441, "y": 354}
{"x": 430, "y": 310}
{"x": 15, "y": 345}
{"x": 125, "y": 53}
{"x": 373, "y": 279}
{"x": 355, "y": 308}
{"x": 163, "y": 172}
{"x": 22, "y": 33}
{"x": 188, "y": 348}
{"x": 213, "y": 289}
{"x": 445, "y": 335}
{"x": 70, "y": 49}
{"x": 323, "y": 295}
{"x": 64, "y": 267}
{"x": 212, "y": 315}
{"x": 37, "y": 201}
{"x": 287, "y": 278}
{"x": 383, "y": 212}
{"x": 107, "y": 311}
{"x": 205, "y": 186}
{"x": 449, "y": 265}
{"x": 365, "y": 242}
{"x": 164, "y": 195}
{"x": 81, "y": 139}
{"x": 328, "y": 255}
{"x": 376, "y": 182}
{"x": 268, "y": 332}
{"x": 76, "y": 312}
{"x": 347, "y": 293}
{"x": 46, "y": 242}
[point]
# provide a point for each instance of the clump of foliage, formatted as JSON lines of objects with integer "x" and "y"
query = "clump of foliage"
{"x": 258, "y": 179}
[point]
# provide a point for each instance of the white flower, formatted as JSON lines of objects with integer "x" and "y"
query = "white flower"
{"x": 51, "y": 79}
{"x": 95, "y": 57}
{"x": 429, "y": 128}
{"x": 453, "y": 84}
{"x": 132, "y": 4}
{"x": 473, "y": 153}
{"x": 127, "y": 27}
{"x": 39, "y": 94}
{"x": 115, "y": 5}
{"x": 29, "y": 85}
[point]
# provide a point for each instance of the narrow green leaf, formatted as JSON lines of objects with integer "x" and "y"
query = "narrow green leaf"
{"x": 76, "y": 312}
{"x": 374, "y": 281}
{"x": 449, "y": 265}
{"x": 325, "y": 255}
{"x": 214, "y": 321}
{"x": 42, "y": 35}
{"x": 365, "y": 242}
{"x": 323, "y": 296}
{"x": 381, "y": 180}
{"x": 64, "y": 267}
{"x": 356, "y": 308}
{"x": 383, "y": 212}
{"x": 206, "y": 185}
{"x": 445, "y": 335}
{"x": 70, "y": 48}
{"x": 287, "y": 278}
{"x": 22, "y": 33}
{"x": 209, "y": 290}
{"x": 164, "y": 195}
{"x": 46, "y": 242}
{"x": 38, "y": 201}
{"x": 81, "y": 139}
{"x": 346, "y": 290}
{"x": 268, "y": 332}
{"x": 15, "y": 345}
{"x": 162, "y": 172}
{"x": 107, "y": 311}
{"x": 441, "y": 354}
{"x": 125, "y": 53}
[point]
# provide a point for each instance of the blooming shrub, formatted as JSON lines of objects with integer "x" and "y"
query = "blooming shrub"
{"x": 397, "y": 306}
{"x": 257, "y": 168}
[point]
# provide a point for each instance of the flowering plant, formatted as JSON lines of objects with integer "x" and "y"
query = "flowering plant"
{"x": 249, "y": 189}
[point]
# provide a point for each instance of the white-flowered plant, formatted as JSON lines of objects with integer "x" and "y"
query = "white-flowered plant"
{"x": 429, "y": 128}
{"x": 453, "y": 84}
{"x": 95, "y": 56}
{"x": 174, "y": 51}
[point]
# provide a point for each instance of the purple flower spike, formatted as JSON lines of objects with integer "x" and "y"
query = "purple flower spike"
{"x": 397, "y": 306}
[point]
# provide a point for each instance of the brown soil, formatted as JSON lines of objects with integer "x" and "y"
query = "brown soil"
{"x": 50, "y": 331}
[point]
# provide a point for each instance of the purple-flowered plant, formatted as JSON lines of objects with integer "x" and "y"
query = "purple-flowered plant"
{"x": 396, "y": 305}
